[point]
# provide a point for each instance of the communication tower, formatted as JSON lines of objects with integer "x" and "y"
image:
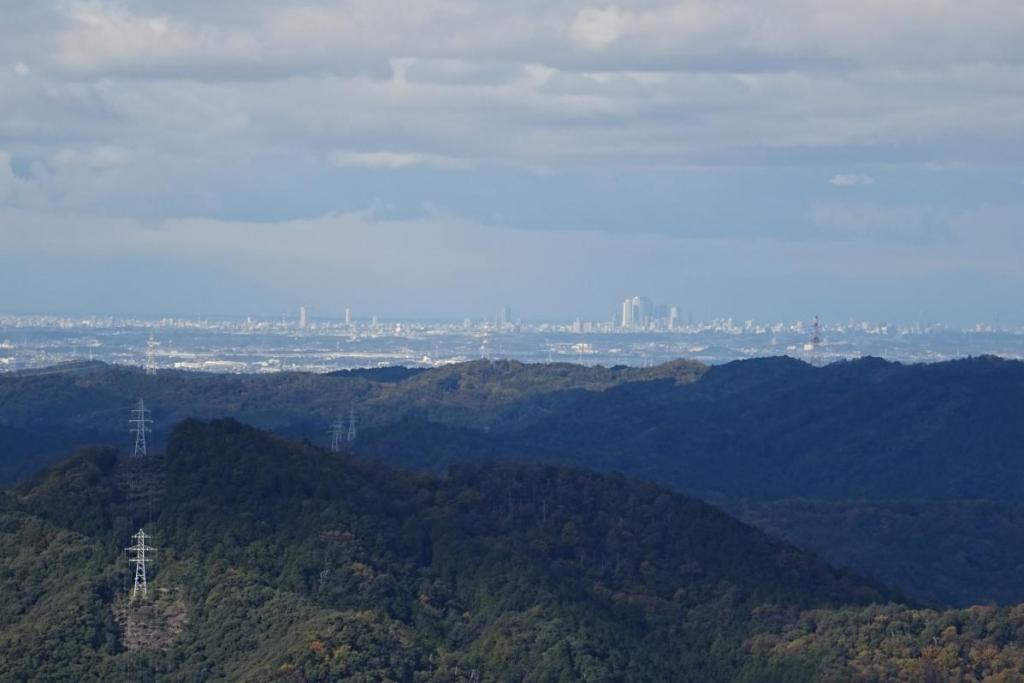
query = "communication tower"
{"x": 137, "y": 556}
{"x": 140, "y": 422}
{"x": 813, "y": 347}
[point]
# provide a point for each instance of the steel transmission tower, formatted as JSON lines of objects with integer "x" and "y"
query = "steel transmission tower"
{"x": 350, "y": 436}
{"x": 151, "y": 347}
{"x": 140, "y": 422}
{"x": 337, "y": 434}
{"x": 139, "y": 559}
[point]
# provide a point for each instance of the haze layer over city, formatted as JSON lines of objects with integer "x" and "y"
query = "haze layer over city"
{"x": 642, "y": 334}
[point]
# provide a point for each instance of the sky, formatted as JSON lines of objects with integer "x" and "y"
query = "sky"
{"x": 442, "y": 158}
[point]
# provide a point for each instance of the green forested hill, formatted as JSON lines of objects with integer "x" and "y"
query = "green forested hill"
{"x": 763, "y": 429}
{"x": 46, "y": 414}
{"x": 847, "y": 444}
{"x": 277, "y": 561}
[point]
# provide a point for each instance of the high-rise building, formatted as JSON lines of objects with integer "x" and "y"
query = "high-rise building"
{"x": 348, "y": 316}
{"x": 637, "y": 312}
{"x": 643, "y": 311}
{"x": 302, "y": 317}
{"x": 504, "y": 317}
{"x": 673, "y": 317}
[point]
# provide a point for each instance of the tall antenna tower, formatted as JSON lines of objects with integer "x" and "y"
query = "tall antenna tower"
{"x": 151, "y": 347}
{"x": 140, "y": 422}
{"x": 350, "y": 436}
{"x": 338, "y": 433}
{"x": 138, "y": 558}
{"x": 814, "y": 345}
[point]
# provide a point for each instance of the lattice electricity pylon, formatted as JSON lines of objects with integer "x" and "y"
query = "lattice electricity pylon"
{"x": 337, "y": 434}
{"x": 140, "y": 422}
{"x": 151, "y": 347}
{"x": 350, "y": 435}
{"x": 139, "y": 559}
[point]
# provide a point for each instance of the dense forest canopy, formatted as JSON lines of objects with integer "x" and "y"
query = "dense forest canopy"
{"x": 829, "y": 458}
{"x": 278, "y": 561}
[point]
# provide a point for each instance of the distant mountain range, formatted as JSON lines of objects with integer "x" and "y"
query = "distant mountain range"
{"x": 830, "y": 458}
{"x": 277, "y": 561}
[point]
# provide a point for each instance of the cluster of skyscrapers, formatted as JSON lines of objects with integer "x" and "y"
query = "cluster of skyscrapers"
{"x": 640, "y": 313}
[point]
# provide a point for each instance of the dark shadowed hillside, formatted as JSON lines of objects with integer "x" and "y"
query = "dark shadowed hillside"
{"x": 778, "y": 428}
{"x": 942, "y": 553}
{"x": 760, "y": 429}
{"x": 45, "y": 414}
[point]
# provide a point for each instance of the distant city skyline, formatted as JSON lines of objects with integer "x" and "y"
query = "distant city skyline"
{"x": 667, "y": 318}
{"x": 253, "y": 345}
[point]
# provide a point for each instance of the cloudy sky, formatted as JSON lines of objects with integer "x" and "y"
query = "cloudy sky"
{"x": 440, "y": 158}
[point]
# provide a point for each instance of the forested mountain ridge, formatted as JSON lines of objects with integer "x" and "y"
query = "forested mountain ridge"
{"x": 777, "y": 428}
{"x": 294, "y": 564}
{"x": 764, "y": 429}
{"x": 277, "y": 561}
{"x": 851, "y": 444}
{"x": 45, "y": 414}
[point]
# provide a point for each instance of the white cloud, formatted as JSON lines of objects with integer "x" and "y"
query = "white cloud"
{"x": 395, "y": 160}
{"x": 104, "y": 37}
{"x": 192, "y": 88}
{"x": 851, "y": 180}
{"x": 596, "y": 29}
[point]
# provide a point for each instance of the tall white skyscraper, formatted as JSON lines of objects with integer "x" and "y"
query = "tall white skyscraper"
{"x": 637, "y": 311}
{"x": 302, "y": 317}
{"x": 348, "y": 316}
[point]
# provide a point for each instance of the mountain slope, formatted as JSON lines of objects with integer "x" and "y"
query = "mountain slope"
{"x": 761, "y": 429}
{"x": 941, "y": 552}
{"x": 46, "y": 414}
{"x": 777, "y": 428}
{"x": 277, "y": 561}
{"x": 291, "y": 564}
